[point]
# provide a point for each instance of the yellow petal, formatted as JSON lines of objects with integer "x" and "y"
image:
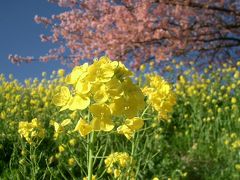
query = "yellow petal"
{"x": 83, "y": 127}
{"x": 114, "y": 88}
{"x": 62, "y": 98}
{"x": 100, "y": 97}
{"x": 52, "y": 122}
{"x": 64, "y": 107}
{"x": 73, "y": 76}
{"x": 100, "y": 110}
{"x": 79, "y": 72}
{"x": 57, "y": 127}
{"x": 102, "y": 124}
{"x": 96, "y": 124}
{"x": 128, "y": 133}
{"x": 83, "y": 87}
{"x": 66, "y": 122}
{"x": 79, "y": 102}
{"x": 107, "y": 125}
{"x": 135, "y": 123}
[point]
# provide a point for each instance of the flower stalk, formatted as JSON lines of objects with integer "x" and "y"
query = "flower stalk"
{"x": 90, "y": 155}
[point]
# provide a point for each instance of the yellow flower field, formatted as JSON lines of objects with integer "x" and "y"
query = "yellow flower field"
{"x": 103, "y": 121}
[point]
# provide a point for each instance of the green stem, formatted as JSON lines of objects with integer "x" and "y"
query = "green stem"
{"x": 133, "y": 147}
{"x": 145, "y": 110}
{"x": 132, "y": 155}
{"x": 90, "y": 156}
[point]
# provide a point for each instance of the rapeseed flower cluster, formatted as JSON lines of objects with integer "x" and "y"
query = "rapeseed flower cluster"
{"x": 105, "y": 87}
{"x": 213, "y": 92}
{"x": 160, "y": 95}
{"x": 118, "y": 164}
{"x": 31, "y": 130}
{"x": 59, "y": 127}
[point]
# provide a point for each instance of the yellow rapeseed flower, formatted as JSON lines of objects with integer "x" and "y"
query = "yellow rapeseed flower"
{"x": 78, "y": 73}
{"x": 31, "y": 130}
{"x": 72, "y": 142}
{"x": 130, "y": 103}
{"x": 101, "y": 117}
{"x": 65, "y": 99}
{"x": 233, "y": 100}
{"x": 83, "y": 127}
{"x": 106, "y": 88}
{"x": 61, "y": 148}
{"x": 160, "y": 95}
{"x": 130, "y": 126}
{"x": 237, "y": 167}
{"x": 61, "y": 72}
{"x": 59, "y": 127}
{"x": 101, "y": 70}
{"x": 71, "y": 161}
{"x": 118, "y": 161}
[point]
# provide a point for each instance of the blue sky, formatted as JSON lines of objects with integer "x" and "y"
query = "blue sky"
{"x": 19, "y": 34}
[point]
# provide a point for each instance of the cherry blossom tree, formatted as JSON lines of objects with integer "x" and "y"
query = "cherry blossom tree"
{"x": 141, "y": 30}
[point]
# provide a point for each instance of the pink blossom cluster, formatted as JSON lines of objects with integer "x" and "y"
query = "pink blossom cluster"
{"x": 18, "y": 59}
{"x": 141, "y": 29}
